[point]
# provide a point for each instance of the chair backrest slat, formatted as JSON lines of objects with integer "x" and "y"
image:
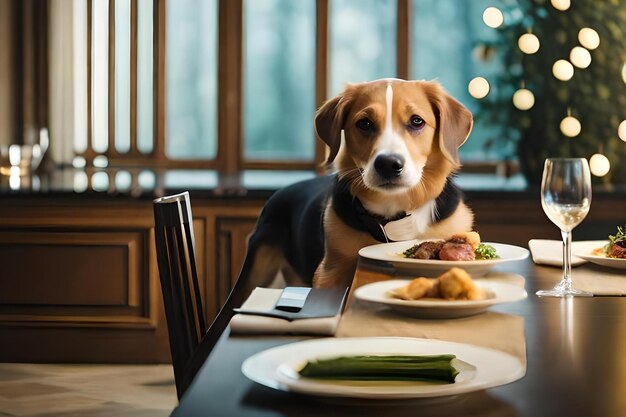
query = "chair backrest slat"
{"x": 179, "y": 280}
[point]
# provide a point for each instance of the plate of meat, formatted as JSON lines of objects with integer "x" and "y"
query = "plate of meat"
{"x": 594, "y": 252}
{"x": 431, "y": 258}
{"x": 610, "y": 253}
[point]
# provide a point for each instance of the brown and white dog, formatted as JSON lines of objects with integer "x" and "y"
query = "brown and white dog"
{"x": 393, "y": 167}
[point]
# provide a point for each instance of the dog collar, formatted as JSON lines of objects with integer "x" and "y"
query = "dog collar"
{"x": 351, "y": 211}
{"x": 375, "y": 224}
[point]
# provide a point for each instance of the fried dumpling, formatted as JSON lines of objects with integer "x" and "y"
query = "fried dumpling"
{"x": 456, "y": 284}
{"x": 414, "y": 290}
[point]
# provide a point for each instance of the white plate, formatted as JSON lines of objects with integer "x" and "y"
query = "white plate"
{"x": 584, "y": 249}
{"x": 392, "y": 252}
{"x": 480, "y": 368}
{"x": 497, "y": 292}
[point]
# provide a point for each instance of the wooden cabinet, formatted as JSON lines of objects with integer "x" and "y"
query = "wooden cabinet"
{"x": 79, "y": 280}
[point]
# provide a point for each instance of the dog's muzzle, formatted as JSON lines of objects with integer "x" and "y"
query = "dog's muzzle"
{"x": 389, "y": 166}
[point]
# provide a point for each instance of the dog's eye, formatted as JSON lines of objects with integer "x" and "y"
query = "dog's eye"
{"x": 365, "y": 124}
{"x": 416, "y": 122}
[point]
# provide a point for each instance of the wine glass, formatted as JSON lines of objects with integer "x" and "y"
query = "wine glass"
{"x": 566, "y": 198}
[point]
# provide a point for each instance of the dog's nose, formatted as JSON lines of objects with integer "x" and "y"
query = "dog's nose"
{"x": 389, "y": 166}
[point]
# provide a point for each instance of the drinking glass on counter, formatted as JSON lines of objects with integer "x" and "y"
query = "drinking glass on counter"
{"x": 566, "y": 198}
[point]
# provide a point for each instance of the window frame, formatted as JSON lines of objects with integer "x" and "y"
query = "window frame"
{"x": 229, "y": 157}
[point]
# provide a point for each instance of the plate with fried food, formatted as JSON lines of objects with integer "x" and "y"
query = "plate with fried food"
{"x": 430, "y": 258}
{"x": 610, "y": 253}
{"x": 453, "y": 294}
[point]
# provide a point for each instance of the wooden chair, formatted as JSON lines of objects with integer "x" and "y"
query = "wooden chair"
{"x": 190, "y": 340}
{"x": 173, "y": 229}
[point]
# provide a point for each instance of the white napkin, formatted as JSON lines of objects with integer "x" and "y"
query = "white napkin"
{"x": 265, "y": 299}
{"x": 550, "y": 252}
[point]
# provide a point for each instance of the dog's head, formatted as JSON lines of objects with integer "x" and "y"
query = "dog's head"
{"x": 397, "y": 133}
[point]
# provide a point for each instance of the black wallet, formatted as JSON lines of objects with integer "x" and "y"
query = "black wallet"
{"x": 319, "y": 303}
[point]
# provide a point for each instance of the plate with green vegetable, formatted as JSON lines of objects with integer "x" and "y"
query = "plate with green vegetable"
{"x": 382, "y": 368}
{"x": 487, "y": 255}
{"x": 594, "y": 251}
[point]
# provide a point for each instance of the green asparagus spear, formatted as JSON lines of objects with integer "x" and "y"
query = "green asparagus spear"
{"x": 396, "y": 368}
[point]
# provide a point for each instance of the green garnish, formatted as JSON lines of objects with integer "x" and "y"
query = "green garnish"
{"x": 410, "y": 251}
{"x": 383, "y": 368}
{"x": 485, "y": 252}
{"x": 618, "y": 239}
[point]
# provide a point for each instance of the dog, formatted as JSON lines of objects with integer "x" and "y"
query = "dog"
{"x": 392, "y": 181}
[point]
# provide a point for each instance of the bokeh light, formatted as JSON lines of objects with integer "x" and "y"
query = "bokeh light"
{"x": 528, "y": 43}
{"x": 523, "y": 99}
{"x": 621, "y": 130}
{"x": 580, "y": 57}
{"x": 493, "y": 17}
{"x": 599, "y": 165}
{"x": 589, "y": 38}
{"x": 561, "y": 5}
{"x": 570, "y": 126}
{"x": 478, "y": 87}
{"x": 563, "y": 70}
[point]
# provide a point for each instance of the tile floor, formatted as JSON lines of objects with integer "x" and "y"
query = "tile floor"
{"x": 86, "y": 390}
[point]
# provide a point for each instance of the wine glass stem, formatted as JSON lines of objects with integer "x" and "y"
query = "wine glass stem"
{"x": 567, "y": 258}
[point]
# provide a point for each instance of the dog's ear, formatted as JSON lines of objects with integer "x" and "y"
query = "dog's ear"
{"x": 329, "y": 121}
{"x": 455, "y": 121}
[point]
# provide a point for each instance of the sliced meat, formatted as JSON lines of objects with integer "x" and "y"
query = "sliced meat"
{"x": 616, "y": 251}
{"x": 452, "y": 251}
{"x": 428, "y": 250}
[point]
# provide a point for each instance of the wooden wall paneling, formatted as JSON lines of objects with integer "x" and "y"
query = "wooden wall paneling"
{"x": 93, "y": 324}
{"x": 92, "y": 332}
{"x": 227, "y": 230}
{"x": 232, "y": 233}
{"x": 74, "y": 278}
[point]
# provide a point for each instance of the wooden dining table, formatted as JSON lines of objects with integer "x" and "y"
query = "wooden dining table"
{"x": 575, "y": 355}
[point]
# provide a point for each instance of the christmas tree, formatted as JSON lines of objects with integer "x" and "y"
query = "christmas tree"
{"x": 562, "y": 91}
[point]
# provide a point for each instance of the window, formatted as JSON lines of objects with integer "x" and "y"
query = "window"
{"x": 191, "y": 79}
{"x": 456, "y": 58}
{"x": 233, "y": 85}
{"x": 279, "y": 80}
{"x": 362, "y": 41}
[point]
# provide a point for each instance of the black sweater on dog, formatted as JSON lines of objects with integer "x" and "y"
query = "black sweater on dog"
{"x": 292, "y": 219}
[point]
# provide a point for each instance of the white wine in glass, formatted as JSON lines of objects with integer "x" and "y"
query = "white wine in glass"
{"x": 566, "y": 198}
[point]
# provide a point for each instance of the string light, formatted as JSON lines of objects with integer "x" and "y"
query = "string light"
{"x": 528, "y": 43}
{"x": 589, "y": 38}
{"x": 523, "y": 99}
{"x": 599, "y": 165}
{"x": 570, "y": 126}
{"x": 621, "y": 130}
{"x": 561, "y": 5}
{"x": 563, "y": 70}
{"x": 580, "y": 57}
{"x": 493, "y": 17}
{"x": 478, "y": 87}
